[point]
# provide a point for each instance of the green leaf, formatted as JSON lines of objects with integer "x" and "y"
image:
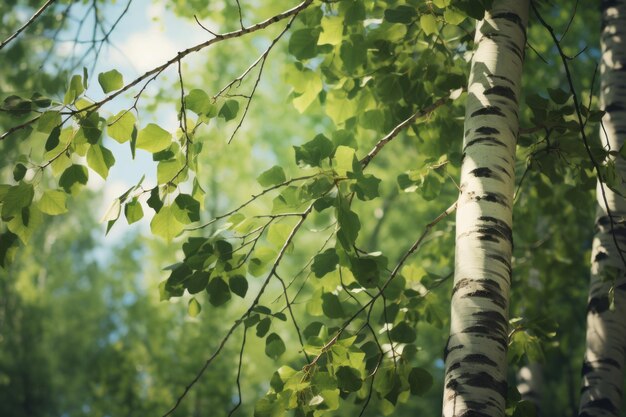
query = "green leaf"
{"x": 453, "y": 17}
{"x": 17, "y": 198}
{"x": 73, "y": 177}
{"x": 263, "y": 327}
{"x": 239, "y": 285}
{"x": 402, "y": 333}
{"x": 331, "y": 306}
{"x": 303, "y": 43}
{"x": 473, "y": 8}
{"x": 16, "y": 105}
{"x": 218, "y": 291}
{"x": 273, "y": 176}
{"x": 133, "y": 211}
{"x": 165, "y": 224}
{"x": 353, "y": 53}
{"x": 40, "y": 100}
{"x": 7, "y": 241}
{"x": 366, "y": 270}
{"x": 110, "y": 80}
{"x": 194, "y": 307}
{"x": 100, "y": 159}
{"x": 52, "y": 202}
{"x": 325, "y": 262}
{"x": 53, "y": 139}
{"x": 428, "y": 23}
{"x": 349, "y": 225}
{"x": 348, "y": 379}
{"x": 75, "y": 89}
{"x": 112, "y": 214}
{"x": 198, "y": 101}
{"x": 48, "y": 121}
{"x": 197, "y": 282}
{"x": 120, "y": 127}
{"x": 313, "y": 152}
{"x": 154, "y": 201}
{"x": 25, "y": 224}
{"x": 171, "y": 171}
{"x": 19, "y": 171}
{"x": 229, "y": 109}
{"x": 558, "y": 95}
{"x": 332, "y": 30}
{"x": 420, "y": 381}
{"x": 366, "y": 187}
{"x": 153, "y": 138}
{"x": 186, "y": 209}
{"x": 401, "y": 14}
{"x": 274, "y": 346}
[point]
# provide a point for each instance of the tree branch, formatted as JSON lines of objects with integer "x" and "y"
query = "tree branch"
{"x": 28, "y": 23}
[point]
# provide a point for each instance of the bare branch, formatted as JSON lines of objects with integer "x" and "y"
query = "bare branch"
{"x": 28, "y": 23}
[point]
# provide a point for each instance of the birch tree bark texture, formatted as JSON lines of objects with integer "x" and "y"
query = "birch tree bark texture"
{"x": 475, "y": 354}
{"x": 603, "y": 365}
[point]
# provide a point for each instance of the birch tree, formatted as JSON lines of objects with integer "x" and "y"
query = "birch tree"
{"x": 475, "y": 381}
{"x": 603, "y": 366}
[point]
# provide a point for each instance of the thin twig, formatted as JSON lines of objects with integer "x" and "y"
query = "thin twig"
{"x": 247, "y": 313}
{"x": 400, "y": 127}
{"x": 28, "y": 23}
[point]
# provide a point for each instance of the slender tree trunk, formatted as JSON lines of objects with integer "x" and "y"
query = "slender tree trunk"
{"x": 475, "y": 380}
{"x": 530, "y": 384}
{"x": 603, "y": 376}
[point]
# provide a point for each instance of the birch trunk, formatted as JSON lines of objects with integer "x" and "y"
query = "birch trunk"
{"x": 475, "y": 355}
{"x": 603, "y": 376}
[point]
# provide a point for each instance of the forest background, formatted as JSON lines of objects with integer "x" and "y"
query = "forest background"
{"x": 86, "y": 325}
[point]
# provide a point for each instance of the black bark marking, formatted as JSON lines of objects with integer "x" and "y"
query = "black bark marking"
{"x": 600, "y": 256}
{"x": 488, "y": 140}
{"x": 492, "y": 198}
{"x": 447, "y": 350}
{"x": 488, "y": 110}
{"x": 488, "y": 293}
{"x": 598, "y": 305}
{"x": 484, "y": 380}
{"x": 603, "y": 404}
{"x": 513, "y": 18}
{"x": 614, "y": 107}
{"x": 500, "y": 77}
{"x": 503, "y": 91}
{"x": 479, "y": 358}
{"x": 493, "y": 234}
{"x": 472, "y": 413}
{"x": 503, "y": 228}
{"x": 589, "y": 366}
{"x": 482, "y": 172}
{"x": 485, "y": 130}
{"x": 491, "y": 316}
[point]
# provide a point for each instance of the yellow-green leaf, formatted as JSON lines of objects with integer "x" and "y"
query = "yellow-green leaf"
{"x": 120, "y": 127}
{"x": 194, "y": 307}
{"x": 153, "y": 138}
{"x": 428, "y": 24}
{"x": 52, "y": 202}
{"x": 164, "y": 224}
{"x": 111, "y": 80}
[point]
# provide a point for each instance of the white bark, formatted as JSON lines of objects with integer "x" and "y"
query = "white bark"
{"x": 475, "y": 381}
{"x": 603, "y": 376}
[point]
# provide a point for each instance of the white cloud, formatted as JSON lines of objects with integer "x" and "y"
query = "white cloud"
{"x": 145, "y": 50}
